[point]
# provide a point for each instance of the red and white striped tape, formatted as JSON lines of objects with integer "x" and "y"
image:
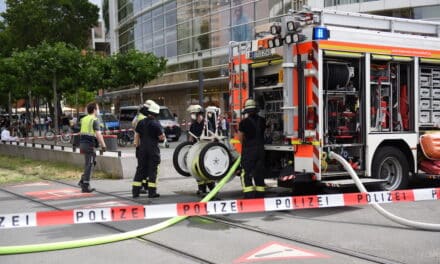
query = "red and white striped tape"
{"x": 139, "y": 212}
{"x": 106, "y": 132}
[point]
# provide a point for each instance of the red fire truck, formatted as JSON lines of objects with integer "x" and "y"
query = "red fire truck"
{"x": 364, "y": 86}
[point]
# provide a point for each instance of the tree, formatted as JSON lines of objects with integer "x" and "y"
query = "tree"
{"x": 9, "y": 79}
{"x": 59, "y": 63}
{"x": 31, "y": 22}
{"x": 138, "y": 68}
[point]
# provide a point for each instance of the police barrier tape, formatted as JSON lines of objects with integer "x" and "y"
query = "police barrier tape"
{"x": 138, "y": 212}
{"x": 32, "y": 248}
{"x": 51, "y": 137}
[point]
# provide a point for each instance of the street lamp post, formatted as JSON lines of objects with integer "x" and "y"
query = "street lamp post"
{"x": 199, "y": 54}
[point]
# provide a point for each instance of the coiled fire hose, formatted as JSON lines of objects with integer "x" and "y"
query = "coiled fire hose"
{"x": 377, "y": 207}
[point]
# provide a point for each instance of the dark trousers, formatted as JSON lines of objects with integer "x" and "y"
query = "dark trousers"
{"x": 147, "y": 168}
{"x": 252, "y": 163}
{"x": 89, "y": 161}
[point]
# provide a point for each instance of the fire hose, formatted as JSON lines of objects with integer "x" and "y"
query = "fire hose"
{"x": 21, "y": 249}
{"x": 377, "y": 207}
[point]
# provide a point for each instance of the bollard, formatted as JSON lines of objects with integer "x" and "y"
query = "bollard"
{"x": 42, "y": 145}
{"x": 25, "y": 144}
{"x": 62, "y": 148}
{"x": 51, "y": 147}
{"x": 119, "y": 154}
{"x": 33, "y": 144}
{"x": 74, "y": 148}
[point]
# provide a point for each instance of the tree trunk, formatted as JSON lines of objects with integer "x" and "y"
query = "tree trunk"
{"x": 141, "y": 94}
{"x": 55, "y": 103}
{"x": 10, "y": 104}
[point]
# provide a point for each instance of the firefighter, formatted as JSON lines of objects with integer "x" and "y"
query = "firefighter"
{"x": 196, "y": 128}
{"x": 139, "y": 117}
{"x": 251, "y": 135}
{"x": 89, "y": 136}
{"x": 147, "y": 136}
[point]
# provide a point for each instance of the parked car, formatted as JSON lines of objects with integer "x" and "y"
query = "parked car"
{"x": 110, "y": 121}
{"x": 170, "y": 127}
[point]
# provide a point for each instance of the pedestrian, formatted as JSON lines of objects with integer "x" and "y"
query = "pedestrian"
{"x": 90, "y": 136}
{"x": 224, "y": 126}
{"x": 6, "y": 135}
{"x": 251, "y": 135}
{"x": 148, "y": 134}
{"x": 196, "y": 129}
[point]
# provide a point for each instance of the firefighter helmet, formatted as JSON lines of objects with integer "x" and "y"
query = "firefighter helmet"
{"x": 194, "y": 109}
{"x": 153, "y": 107}
{"x": 250, "y": 106}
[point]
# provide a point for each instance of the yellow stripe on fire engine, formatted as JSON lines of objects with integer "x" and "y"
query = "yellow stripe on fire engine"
{"x": 299, "y": 142}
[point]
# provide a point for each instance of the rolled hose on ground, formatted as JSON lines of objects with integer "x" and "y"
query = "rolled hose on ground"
{"x": 377, "y": 207}
{"x": 116, "y": 237}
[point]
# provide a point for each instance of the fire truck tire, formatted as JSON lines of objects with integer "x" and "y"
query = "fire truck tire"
{"x": 390, "y": 163}
{"x": 179, "y": 158}
{"x": 215, "y": 160}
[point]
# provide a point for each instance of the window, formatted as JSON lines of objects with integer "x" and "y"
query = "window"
{"x": 184, "y": 30}
{"x": 184, "y": 46}
{"x": 171, "y": 49}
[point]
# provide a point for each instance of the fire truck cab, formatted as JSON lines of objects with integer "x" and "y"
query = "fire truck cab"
{"x": 366, "y": 87}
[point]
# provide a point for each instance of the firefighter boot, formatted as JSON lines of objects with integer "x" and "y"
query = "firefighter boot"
{"x": 85, "y": 188}
{"x": 152, "y": 193}
{"x": 135, "y": 191}
{"x": 249, "y": 195}
{"x": 202, "y": 190}
{"x": 211, "y": 186}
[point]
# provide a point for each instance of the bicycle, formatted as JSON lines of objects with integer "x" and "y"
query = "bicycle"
{"x": 125, "y": 138}
{"x": 65, "y": 137}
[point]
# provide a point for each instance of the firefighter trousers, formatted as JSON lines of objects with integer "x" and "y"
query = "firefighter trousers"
{"x": 252, "y": 176}
{"x": 147, "y": 167}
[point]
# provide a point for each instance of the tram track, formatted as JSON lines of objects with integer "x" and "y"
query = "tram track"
{"x": 113, "y": 228}
{"x": 232, "y": 223}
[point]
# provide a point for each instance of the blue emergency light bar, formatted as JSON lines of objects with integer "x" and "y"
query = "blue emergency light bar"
{"x": 321, "y": 33}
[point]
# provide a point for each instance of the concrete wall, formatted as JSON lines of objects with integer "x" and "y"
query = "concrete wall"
{"x": 118, "y": 167}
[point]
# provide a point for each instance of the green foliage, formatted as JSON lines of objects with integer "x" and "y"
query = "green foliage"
{"x": 137, "y": 68}
{"x": 31, "y": 22}
{"x": 10, "y": 73}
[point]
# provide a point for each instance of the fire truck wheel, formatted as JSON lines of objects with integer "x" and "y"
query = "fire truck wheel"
{"x": 390, "y": 164}
{"x": 215, "y": 160}
{"x": 179, "y": 158}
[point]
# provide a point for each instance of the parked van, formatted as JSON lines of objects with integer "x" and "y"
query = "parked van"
{"x": 170, "y": 127}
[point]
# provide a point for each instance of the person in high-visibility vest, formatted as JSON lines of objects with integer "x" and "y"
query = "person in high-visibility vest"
{"x": 196, "y": 129}
{"x": 251, "y": 135}
{"x": 90, "y": 135}
{"x": 148, "y": 134}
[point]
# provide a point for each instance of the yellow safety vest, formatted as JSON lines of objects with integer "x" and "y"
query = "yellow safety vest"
{"x": 87, "y": 125}
{"x": 138, "y": 118}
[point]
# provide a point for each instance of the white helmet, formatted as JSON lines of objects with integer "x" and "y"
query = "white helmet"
{"x": 153, "y": 107}
{"x": 194, "y": 109}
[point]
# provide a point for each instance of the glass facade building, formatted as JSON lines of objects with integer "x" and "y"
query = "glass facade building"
{"x": 194, "y": 36}
{"x": 179, "y": 30}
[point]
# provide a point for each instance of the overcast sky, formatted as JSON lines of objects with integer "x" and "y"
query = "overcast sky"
{"x": 98, "y": 3}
